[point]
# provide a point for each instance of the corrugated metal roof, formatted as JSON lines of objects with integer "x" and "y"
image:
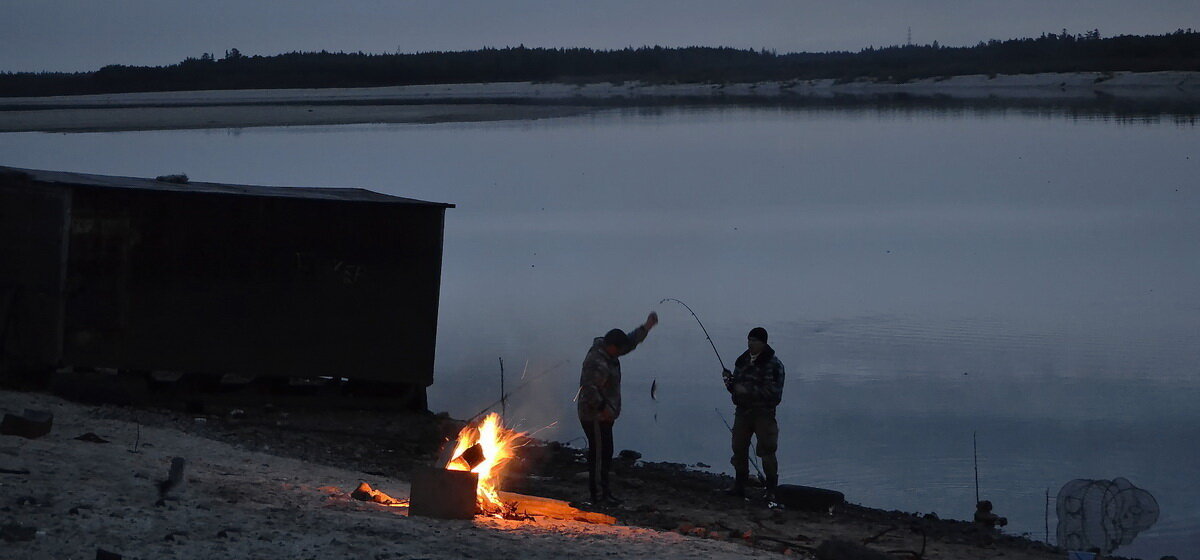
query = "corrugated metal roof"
{"x": 345, "y": 194}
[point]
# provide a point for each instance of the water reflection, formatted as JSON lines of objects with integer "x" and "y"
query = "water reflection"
{"x": 1027, "y": 274}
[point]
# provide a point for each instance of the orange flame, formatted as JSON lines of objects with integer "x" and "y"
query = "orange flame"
{"x": 496, "y": 442}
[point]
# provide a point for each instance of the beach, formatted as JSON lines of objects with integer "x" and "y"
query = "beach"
{"x": 253, "y": 488}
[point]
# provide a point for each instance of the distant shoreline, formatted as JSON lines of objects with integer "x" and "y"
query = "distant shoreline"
{"x": 530, "y": 100}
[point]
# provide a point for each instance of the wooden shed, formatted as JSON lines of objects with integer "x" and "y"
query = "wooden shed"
{"x": 168, "y": 275}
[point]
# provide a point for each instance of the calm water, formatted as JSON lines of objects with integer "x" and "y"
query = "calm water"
{"x": 1032, "y": 279}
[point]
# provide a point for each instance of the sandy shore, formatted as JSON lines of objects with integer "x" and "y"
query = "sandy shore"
{"x": 527, "y": 100}
{"x": 80, "y": 496}
{"x": 274, "y": 485}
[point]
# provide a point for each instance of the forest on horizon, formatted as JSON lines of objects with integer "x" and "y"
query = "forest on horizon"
{"x": 1051, "y": 52}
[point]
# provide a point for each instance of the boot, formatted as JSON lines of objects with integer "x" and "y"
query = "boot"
{"x": 609, "y": 499}
{"x": 738, "y": 490}
{"x": 771, "y": 482}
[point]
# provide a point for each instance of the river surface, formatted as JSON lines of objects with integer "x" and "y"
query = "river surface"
{"x": 1020, "y": 285}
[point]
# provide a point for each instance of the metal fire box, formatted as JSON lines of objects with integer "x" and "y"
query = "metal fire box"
{"x": 443, "y": 494}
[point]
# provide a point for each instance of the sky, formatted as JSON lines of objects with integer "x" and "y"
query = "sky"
{"x": 80, "y": 35}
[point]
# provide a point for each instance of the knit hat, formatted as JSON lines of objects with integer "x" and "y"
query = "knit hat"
{"x": 616, "y": 337}
{"x": 758, "y": 333}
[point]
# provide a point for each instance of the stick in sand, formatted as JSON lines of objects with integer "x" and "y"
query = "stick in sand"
{"x": 975, "y": 451}
{"x": 503, "y": 400}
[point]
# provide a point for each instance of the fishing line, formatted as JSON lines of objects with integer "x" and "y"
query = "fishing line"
{"x": 518, "y": 389}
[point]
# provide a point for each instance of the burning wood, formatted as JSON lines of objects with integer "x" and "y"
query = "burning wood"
{"x": 484, "y": 450}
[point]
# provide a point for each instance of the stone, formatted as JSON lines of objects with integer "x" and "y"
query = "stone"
{"x": 31, "y": 425}
{"x": 17, "y": 533}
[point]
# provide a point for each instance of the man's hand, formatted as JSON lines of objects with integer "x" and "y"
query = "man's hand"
{"x": 651, "y": 320}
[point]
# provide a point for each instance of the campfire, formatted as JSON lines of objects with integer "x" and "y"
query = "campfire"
{"x": 484, "y": 450}
{"x": 466, "y": 480}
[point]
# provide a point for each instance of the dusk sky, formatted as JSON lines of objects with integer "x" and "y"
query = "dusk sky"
{"x": 74, "y": 35}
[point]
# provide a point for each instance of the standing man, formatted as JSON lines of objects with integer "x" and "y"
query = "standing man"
{"x": 756, "y": 385}
{"x": 599, "y": 402}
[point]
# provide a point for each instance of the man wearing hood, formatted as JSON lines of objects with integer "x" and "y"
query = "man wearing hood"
{"x": 756, "y": 385}
{"x": 599, "y": 402}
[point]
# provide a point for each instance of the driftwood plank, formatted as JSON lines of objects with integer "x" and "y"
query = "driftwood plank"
{"x": 556, "y": 509}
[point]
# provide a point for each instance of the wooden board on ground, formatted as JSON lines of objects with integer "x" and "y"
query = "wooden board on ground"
{"x": 557, "y": 509}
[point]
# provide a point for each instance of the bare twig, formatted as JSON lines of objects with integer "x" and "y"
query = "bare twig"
{"x": 879, "y": 535}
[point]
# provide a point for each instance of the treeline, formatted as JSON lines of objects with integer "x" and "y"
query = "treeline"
{"x": 1051, "y": 52}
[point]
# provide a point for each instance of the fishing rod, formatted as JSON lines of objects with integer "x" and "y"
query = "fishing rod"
{"x": 697, "y": 318}
{"x": 526, "y": 383}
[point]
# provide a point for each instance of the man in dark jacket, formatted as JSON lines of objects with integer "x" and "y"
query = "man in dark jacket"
{"x": 756, "y": 385}
{"x": 599, "y": 402}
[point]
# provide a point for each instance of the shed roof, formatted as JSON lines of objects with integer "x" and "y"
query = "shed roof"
{"x": 345, "y": 194}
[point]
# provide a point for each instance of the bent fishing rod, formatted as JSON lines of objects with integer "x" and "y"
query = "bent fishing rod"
{"x": 697, "y": 318}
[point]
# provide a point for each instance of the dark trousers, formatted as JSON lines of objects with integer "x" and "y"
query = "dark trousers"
{"x": 600, "y": 452}
{"x": 760, "y": 423}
